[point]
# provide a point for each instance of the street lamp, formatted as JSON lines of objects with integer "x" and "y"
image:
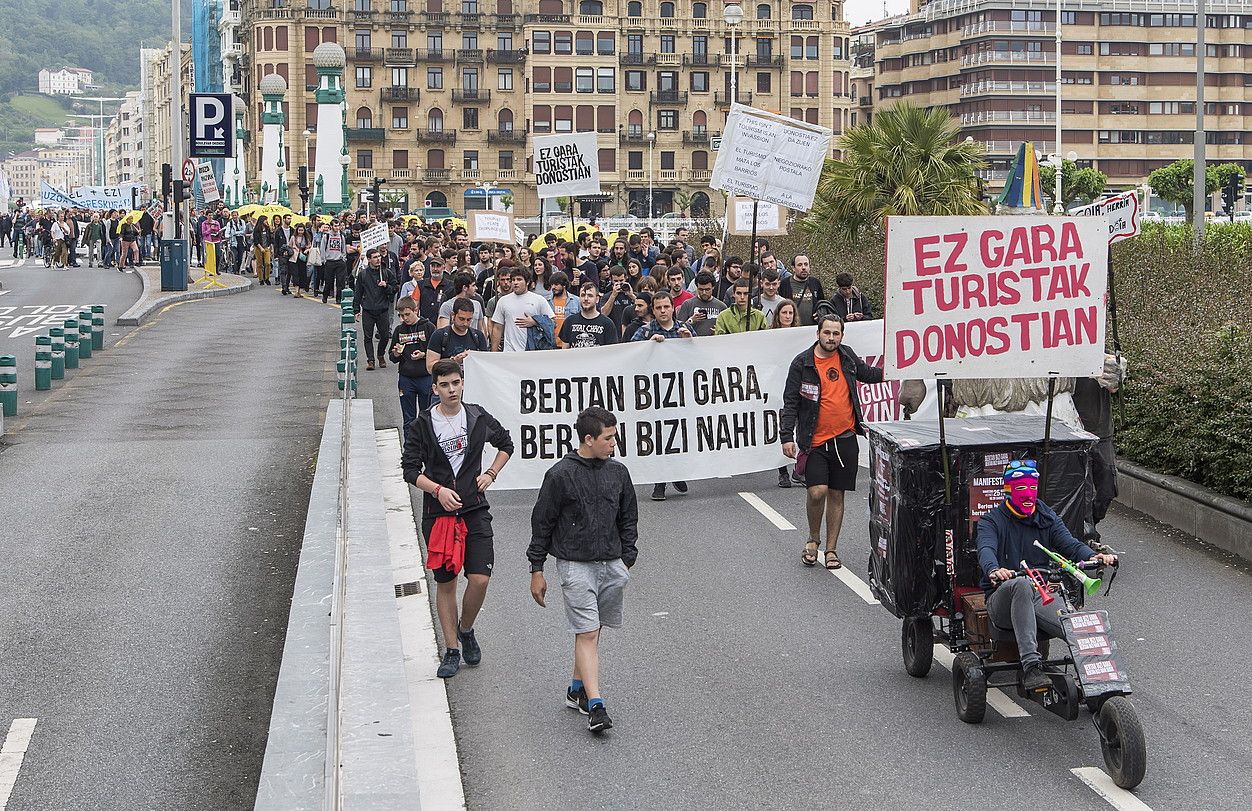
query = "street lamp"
{"x": 651, "y": 142}
{"x": 488, "y": 185}
{"x": 344, "y": 160}
{"x": 733, "y": 15}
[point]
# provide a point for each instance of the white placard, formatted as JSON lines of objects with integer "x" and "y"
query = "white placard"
{"x": 208, "y": 183}
{"x": 709, "y": 407}
{"x": 769, "y": 157}
{"x": 567, "y": 165}
{"x": 770, "y": 219}
{"x": 995, "y": 297}
{"x": 1122, "y": 211}
{"x": 490, "y": 226}
{"x": 375, "y": 236}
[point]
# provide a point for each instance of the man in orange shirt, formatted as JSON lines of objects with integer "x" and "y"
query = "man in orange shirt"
{"x": 822, "y": 415}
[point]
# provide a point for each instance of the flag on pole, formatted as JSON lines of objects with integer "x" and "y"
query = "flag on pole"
{"x": 1021, "y": 187}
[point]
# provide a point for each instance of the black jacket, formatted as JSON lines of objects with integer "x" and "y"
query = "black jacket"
{"x": 586, "y": 510}
{"x": 422, "y": 454}
{"x": 369, "y": 296}
{"x": 410, "y": 337}
{"x": 858, "y": 304}
{"x": 799, "y": 415}
{"x": 1004, "y": 541}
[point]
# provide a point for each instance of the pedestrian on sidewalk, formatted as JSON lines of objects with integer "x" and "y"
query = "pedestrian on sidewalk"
{"x": 586, "y": 517}
{"x": 262, "y": 251}
{"x": 211, "y": 234}
{"x": 443, "y": 451}
{"x": 821, "y": 419}
{"x": 408, "y": 347}
{"x": 372, "y": 303}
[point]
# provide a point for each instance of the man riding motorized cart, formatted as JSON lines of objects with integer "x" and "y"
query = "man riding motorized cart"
{"x": 967, "y": 554}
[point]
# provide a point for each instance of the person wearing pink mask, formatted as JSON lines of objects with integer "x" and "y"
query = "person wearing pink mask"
{"x": 1006, "y": 537}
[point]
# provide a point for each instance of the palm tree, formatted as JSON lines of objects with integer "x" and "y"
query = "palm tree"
{"x": 907, "y": 161}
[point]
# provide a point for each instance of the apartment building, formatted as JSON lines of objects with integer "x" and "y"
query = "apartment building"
{"x": 63, "y": 167}
{"x": 123, "y": 144}
{"x": 1127, "y": 97}
{"x": 443, "y": 100}
{"x": 155, "y": 105}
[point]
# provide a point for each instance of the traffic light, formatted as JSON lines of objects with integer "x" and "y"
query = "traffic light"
{"x": 182, "y": 190}
{"x": 376, "y": 191}
{"x": 304, "y": 178}
{"x": 167, "y": 180}
{"x": 1230, "y": 194}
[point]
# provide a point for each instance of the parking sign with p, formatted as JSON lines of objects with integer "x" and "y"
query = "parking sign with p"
{"x": 212, "y": 129}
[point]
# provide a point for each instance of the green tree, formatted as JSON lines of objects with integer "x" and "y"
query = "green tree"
{"x": 506, "y": 200}
{"x": 907, "y": 161}
{"x": 1174, "y": 183}
{"x": 1077, "y": 185}
{"x": 682, "y": 199}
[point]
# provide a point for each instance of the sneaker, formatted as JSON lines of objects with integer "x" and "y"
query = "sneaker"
{"x": 382, "y": 363}
{"x": 658, "y": 492}
{"x": 369, "y": 366}
{"x": 598, "y": 719}
{"x": 469, "y": 647}
{"x": 450, "y": 665}
{"x": 783, "y": 479}
{"x": 1034, "y": 679}
{"x": 680, "y": 487}
{"x": 797, "y": 478}
{"x": 576, "y": 699}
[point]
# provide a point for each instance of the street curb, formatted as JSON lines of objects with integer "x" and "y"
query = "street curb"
{"x": 140, "y": 311}
{"x": 1219, "y": 520}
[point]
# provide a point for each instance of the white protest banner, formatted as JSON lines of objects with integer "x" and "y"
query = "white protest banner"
{"x": 567, "y": 165}
{"x": 208, "y": 183}
{"x": 769, "y": 157}
{"x": 770, "y": 218}
{"x": 708, "y": 407}
{"x": 519, "y": 235}
{"x": 995, "y": 296}
{"x": 490, "y": 226}
{"x": 1122, "y": 211}
{"x": 374, "y": 237}
{"x": 97, "y": 197}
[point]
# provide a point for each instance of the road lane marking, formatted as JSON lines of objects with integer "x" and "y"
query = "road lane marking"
{"x": 11, "y": 755}
{"x": 771, "y": 515}
{"x": 997, "y": 699}
{"x": 1099, "y": 782}
{"x": 855, "y": 583}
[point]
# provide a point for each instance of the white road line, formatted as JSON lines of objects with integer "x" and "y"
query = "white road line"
{"x": 1102, "y": 784}
{"x": 772, "y": 515}
{"x": 997, "y": 699}
{"x": 11, "y": 755}
{"x": 853, "y": 582}
{"x": 438, "y": 765}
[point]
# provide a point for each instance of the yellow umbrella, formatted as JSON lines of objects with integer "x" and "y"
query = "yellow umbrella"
{"x": 564, "y": 233}
{"x": 132, "y": 216}
{"x": 268, "y": 210}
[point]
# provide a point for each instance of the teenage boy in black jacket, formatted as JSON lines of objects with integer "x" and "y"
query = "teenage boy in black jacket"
{"x": 409, "y": 342}
{"x": 443, "y": 452}
{"x": 376, "y": 289}
{"x": 586, "y": 517}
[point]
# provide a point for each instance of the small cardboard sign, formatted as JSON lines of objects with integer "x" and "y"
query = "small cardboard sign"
{"x": 771, "y": 219}
{"x": 490, "y": 226}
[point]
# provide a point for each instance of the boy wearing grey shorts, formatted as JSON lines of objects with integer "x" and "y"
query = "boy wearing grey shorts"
{"x": 586, "y": 517}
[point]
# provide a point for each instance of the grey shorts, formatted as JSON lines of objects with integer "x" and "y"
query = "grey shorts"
{"x": 593, "y": 592}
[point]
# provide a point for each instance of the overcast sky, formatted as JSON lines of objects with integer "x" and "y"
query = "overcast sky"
{"x": 859, "y": 12}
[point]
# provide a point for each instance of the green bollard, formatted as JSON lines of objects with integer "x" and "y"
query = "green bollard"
{"x": 8, "y": 385}
{"x": 97, "y": 327}
{"x": 346, "y": 319}
{"x": 57, "y": 334}
{"x": 71, "y": 343}
{"x": 43, "y": 363}
{"x": 84, "y": 334}
{"x": 347, "y": 295}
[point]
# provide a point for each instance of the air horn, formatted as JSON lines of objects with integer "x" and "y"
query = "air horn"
{"x": 1090, "y": 584}
{"x": 1041, "y": 585}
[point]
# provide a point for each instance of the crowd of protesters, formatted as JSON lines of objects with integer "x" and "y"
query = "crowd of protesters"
{"x": 73, "y": 237}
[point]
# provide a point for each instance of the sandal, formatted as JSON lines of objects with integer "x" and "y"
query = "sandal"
{"x": 832, "y": 560}
{"x": 809, "y": 557}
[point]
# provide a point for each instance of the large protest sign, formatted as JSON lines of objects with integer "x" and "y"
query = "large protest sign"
{"x": 995, "y": 296}
{"x": 1122, "y": 211}
{"x": 490, "y": 226}
{"x": 771, "y": 218}
{"x": 208, "y": 182}
{"x": 97, "y": 197}
{"x": 769, "y": 157}
{"x": 708, "y": 407}
{"x": 567, "y": 165}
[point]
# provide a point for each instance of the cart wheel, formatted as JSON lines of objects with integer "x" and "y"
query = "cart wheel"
{"x": 969, "y": 688}
{"x": 1121, "y": 740}
{"x": 917, "y": 639}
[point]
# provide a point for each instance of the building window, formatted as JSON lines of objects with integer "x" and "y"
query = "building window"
{"x": 469, "y": 118}
{"x": 399, "y": 77}
{"x": 434, "y": 78}
{"x": 591, "y": 8}
{"x": 563, "y": 42}
{"x": 700, "y": 159}
{"x": 504, "y": 41}
{"x": 434, "y": 160}
{"x": 399, "y": 39}
{"x": 606, "y": 80}
{"x": 398, "y": 6}
{"x": 399, "y": 118}
{"x": 699, "y": 11}
{"x": 364, "y": 76}
{"x": 365, "y": 159}
{"x": 469, "y": 78}
{"x": 1083, "y": 48}
{"x": 634, "y": 160}
{"x": 541, "y": 80}
{"x": 634, "y": 44}
{"x": 636, "y": 81}
{"x": 763, "y": 11}
{"x": 469, "y": 40}
{"x": 364, "y": 118}
{"x": 607, "y": 160}
{"x": 469, "y": 162}
{"x": 563, "y": 80}
{"x": 506, "y": 159}
{"x": 667, "y": 160}
{"x": 700, "y": 82}
{"x": 563, "y": 118}
{"x": 434, "y": 41}
{"x": 585, "y": 118}
{"x": 505, "y": 79}
{"x": 801, "y": 11}
{"x": 667, "y": 43}
{"x": 469, "y": 6}
{"x": 606, "y": 43}
{"x": 400, "y": 159}
{"x": 363, "y": 41}
{"x": 434, "y": 120}
{"x": 797, "y": 47}
{"x": 763, "y": 84}
{"x": 585, "y": 43}
{"x": 667, "y": 9}
{"x": 634, "y": 9}
{"x": 541, "y": 42}
{"x": 541, "y": 118}
{"x": 667, "y": 119}
{"x": 606, "y": 118}
{"x": 810, "y": 48}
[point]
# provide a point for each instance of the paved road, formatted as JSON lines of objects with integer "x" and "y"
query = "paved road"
{"x": 744, "y": 680}
{"x": 152, "y": 518}
{"x": 34, "y": 298}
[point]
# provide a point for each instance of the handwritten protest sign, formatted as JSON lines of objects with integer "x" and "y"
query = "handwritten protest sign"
{"x": 1122, "y": 211}
{"x": 374, "y": 237}
{"x": 490, "y": 226}
{"x": 770, "y": 218}
{"x": 995, "y": 296}
{"x": 768, "y": 157}
{"x": 567, "y": 165}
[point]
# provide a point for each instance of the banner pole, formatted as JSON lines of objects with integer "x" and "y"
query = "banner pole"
{"x": 752, "y": 258}
{"x": 1117, "y": 344}
{"x": 1047, "y": 437}
{"x": 573, "y": 230}
{"x": 943, "y": 445}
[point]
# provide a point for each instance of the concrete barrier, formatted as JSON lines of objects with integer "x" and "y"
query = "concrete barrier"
{"x": 1219, "y": 520}
{"x": 374, "y": 752}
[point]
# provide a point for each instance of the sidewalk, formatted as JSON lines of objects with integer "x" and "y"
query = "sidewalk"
{"x": 154, "y": 298}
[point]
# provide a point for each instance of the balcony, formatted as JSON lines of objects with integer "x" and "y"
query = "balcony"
{"x": 506, "y": 136}
{"x": 864, "y": 101}
{"x": 702, "y": 60}
{"x": 435, "y": 136}
{"x": 399, "y": 18}
{"x": 1007, "y": 57}
{"x": 632, "y": 137}
{"x": 506, "y": 57}
{"x": 722, "y": 99}
{"x": 469, "y": 55}
{"x": 366, "y": 54}
{"x": 401, "y": 94}
{"x": 513, "y": 21}
{"x": 231, "y": 17}
{"x": 234, "y": 51}
{"x": 436, "y": 18}
{"x": 471, "y": 175}
{"x": 1007, "y": 117}
{"x": 321, "y": 13}
{"x": 363, "y": 174}
{"x": 699, "y": 136}
{"x": 508, "y": 174}
{"x": 434, "y": 56}
{"x": 1008, "y": 87}
{"x": 701, "y": 174}
{"x": 630, "y": 58}
{"x": 548, "y": 19}
{"x": 473, "y": 96}
{"x": 668, "y": 97}
{"x": 1009, "y": 148}
{"x": 1029, "y": 27}
{"x": 471, "y": 20}
{"x": 636, "y": 174}
{"x": 361, "y": 17}
{"x": 401, "y": 174}
{"x": 765, "y": 61}
{"x": 399, "y": 56}
{"x": 436, "y": 175}
{"x": 359, "y": 134}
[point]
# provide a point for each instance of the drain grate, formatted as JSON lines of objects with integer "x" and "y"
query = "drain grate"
{"x": 409, "y": 589}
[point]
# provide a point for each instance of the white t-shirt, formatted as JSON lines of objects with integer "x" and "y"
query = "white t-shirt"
{"x": 515, "y": 306}
{"x": 769, "y": 305}
{"x": 445, "y": 311}
{"x": 452, "y": 436}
